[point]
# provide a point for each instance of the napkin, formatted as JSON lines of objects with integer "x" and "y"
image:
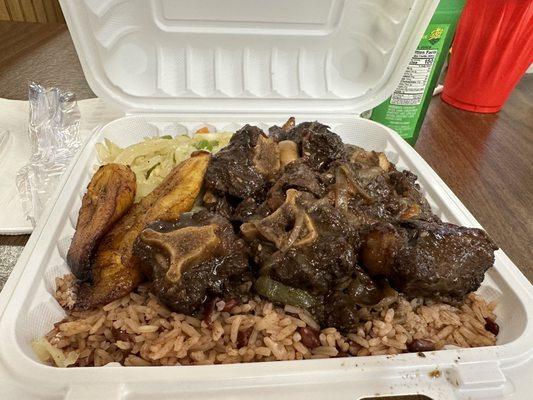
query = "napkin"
{"x": 15, "y": 153}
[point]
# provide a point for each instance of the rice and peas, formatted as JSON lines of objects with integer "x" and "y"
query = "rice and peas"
{"x": 138, "y": 330}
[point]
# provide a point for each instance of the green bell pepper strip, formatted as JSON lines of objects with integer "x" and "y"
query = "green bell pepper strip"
{"x": 280, "y": 293}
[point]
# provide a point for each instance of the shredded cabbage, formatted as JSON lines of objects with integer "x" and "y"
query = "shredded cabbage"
{"x": 152, "y": 159}
{"x": 47, "y": 353}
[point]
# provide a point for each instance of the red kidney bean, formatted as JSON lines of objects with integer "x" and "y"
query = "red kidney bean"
{"x": 119, "y": 334}
{"x": 419, "y": 345}
{"x": 230, "y": 303}
{"x": 309, "y": 337}
{"x": 243, "y": 337}
{"x": 209, "y": 308}
{"x": 492, "y": 326}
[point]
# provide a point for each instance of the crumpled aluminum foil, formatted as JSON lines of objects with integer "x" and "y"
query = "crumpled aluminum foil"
{"x": 54, "y": 120}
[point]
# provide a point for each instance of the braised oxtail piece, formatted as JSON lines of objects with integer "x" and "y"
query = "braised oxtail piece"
{"x": 243, "y": 168}
{"x": 434, "y": 260}
{"x": 306, "y": 243}
{"x": 317, "y": 145}
{"x": 193, "y": 259}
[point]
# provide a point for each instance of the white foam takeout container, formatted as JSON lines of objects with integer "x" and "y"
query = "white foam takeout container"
{"x": 175, "y": 63}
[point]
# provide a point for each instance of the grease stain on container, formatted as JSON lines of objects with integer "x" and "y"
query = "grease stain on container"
{"x": 435, "y": 374}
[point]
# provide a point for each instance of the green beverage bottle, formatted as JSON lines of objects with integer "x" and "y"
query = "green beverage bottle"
{"x": 405, "y": 110}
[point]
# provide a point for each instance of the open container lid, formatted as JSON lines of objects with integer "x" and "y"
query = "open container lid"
{"x": 246, "y": 56}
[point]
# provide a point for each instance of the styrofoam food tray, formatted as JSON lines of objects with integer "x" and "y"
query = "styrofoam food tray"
{"x": 28, "y": 310}
{"x": 229, "y": 63}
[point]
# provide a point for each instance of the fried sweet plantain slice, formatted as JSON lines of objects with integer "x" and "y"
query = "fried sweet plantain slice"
{"x": 109, "y": 195}
{"x": 116, "y": 271}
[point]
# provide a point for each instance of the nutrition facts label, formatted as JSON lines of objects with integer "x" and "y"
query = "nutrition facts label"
{"x": 410, "y": 91}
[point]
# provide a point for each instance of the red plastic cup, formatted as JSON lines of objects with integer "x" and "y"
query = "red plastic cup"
{"x": 492, "y": 49}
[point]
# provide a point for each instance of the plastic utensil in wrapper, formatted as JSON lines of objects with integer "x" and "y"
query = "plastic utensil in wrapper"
{"x": 54, "y": 138}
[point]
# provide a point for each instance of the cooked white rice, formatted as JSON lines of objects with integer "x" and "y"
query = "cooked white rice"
{"x": 138, "y": 330}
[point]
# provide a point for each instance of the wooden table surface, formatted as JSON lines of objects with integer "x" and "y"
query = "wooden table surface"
{"x": 485, "y": 159}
